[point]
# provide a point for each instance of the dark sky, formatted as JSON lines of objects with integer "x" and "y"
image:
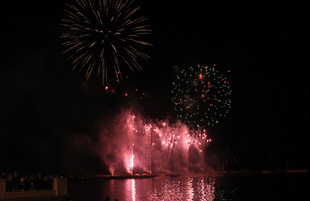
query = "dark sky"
{"x": 43, "y": 103}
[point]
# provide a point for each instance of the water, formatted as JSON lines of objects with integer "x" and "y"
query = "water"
{"x": 255, "y": 187}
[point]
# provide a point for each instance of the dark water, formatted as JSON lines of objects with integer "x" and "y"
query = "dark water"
{"x": 255, "y": 187}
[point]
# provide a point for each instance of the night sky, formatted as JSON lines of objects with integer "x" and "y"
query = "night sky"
{"x": 44, "y": 104}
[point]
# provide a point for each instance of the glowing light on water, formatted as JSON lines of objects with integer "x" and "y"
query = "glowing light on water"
{"x": 133, "y": 190}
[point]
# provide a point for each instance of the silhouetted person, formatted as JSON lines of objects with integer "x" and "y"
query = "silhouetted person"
{"x": 68, "y": 198}
{"x": 9, "y": 182}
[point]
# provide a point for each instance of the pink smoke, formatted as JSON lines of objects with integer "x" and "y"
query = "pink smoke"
{"x": 130, "y": 144}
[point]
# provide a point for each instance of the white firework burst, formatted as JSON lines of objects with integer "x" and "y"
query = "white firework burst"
{"x": 104, "y": 35}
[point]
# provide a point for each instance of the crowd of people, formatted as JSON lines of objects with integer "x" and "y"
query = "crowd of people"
{"x": 17, "y": 182}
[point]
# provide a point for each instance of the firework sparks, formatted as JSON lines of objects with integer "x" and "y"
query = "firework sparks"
{"x": 104, "y": 34}
{"x": 162, "y": 141}
{"x": 201, "y": 96}
{"x": 132, "y": 162}
{"x": 138, "y": 146}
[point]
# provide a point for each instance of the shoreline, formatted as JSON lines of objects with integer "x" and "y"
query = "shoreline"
{"x": 213, "y": 174}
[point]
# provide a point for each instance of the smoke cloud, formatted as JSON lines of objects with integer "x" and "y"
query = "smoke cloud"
{"x": 129, "y": 144}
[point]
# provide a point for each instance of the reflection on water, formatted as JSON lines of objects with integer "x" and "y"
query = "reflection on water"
{"x": 158, "y": 188}
{"x": 133, "y": 190}
{"x": 232, "y": 188}
{"x": 184, "y": 189}
{"x": 178, "y": 188}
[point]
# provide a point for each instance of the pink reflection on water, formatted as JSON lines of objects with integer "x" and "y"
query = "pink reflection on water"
{"x": 190, "y": 188}
{"x": 206, "y": 189}
{"x": 160, "y": 188}
{"x": 133, "y": 190}
{"x": 184, "y": 189}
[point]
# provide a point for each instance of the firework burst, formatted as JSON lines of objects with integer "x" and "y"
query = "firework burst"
{"x": 101, "y": 35}
{"x": 201, "y": 96}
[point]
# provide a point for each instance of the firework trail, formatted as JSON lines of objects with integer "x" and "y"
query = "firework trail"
{"x": 104, "y": 34}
